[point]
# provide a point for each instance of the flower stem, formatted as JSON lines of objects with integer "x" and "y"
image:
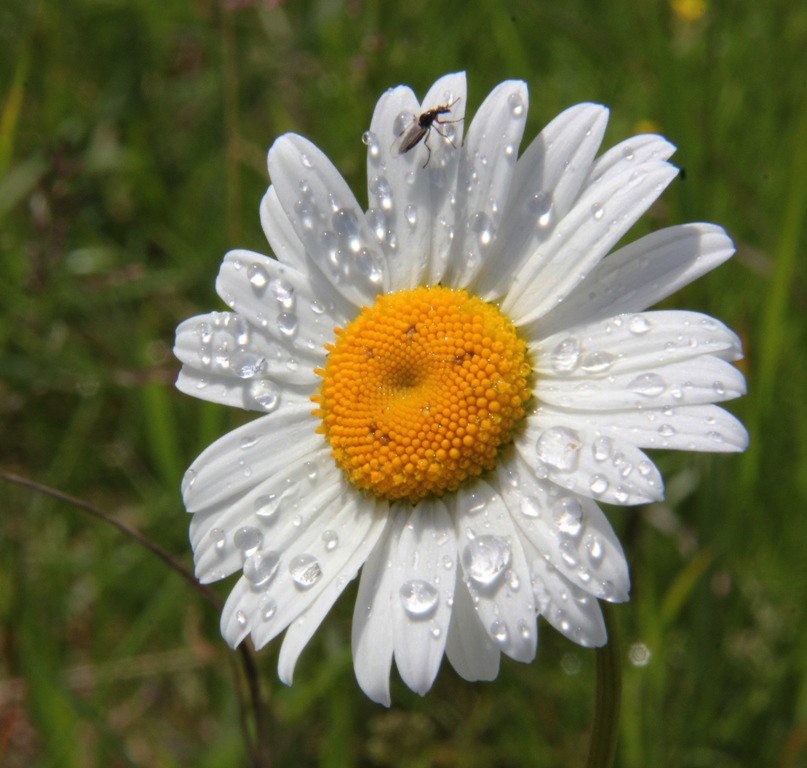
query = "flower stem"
{"x": 608, "y": 696}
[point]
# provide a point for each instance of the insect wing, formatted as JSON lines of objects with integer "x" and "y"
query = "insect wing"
{"x": 413, "y": 134}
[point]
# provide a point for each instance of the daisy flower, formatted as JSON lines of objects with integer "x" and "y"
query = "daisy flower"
{"x": 450, "y": 382}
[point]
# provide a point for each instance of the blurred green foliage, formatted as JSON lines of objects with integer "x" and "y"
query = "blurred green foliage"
{"x": 132, "y": 156}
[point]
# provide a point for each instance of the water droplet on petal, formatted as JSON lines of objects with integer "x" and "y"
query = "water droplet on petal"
{"x": 516, "y": 105}
{"x": 241, "y": 618}
{"x": 648, "y": 385}
{"x": 248, "y": 539}
{"x": 628, "y": 153}
{"x": 559, "y": 447}
{"x": 246, "y": 365}
{"x": 218, "y": 537}
{"x": 257, "y": 276}
{"x": 287, "y": 324}
{"x": 331, "y": 540}
{"x": 419, "y": 598}
{"x": 530, "y": 507}
{"x": 482, "y": 227}
{"x": 602, "y": 448}
{"x": 305, "y": 570}
{"x": 638, "y": 325}
{"x": 498, "y": 631}
{"x": 565, "y": 356}
{"x": 268, "y": 607}
{"x": 260, "y": 567}
{"x": 485, "y": 558}
{"x": 568, "y": 515}
{"x": 539, "y": 207}
{"x": 411, "y": 214}
{"x": 595, "y": 549}
{"x": 597, "y": 362}
{"x": 597, "y": 211}
{"x": 598, "y": 485}
{"x": 265, "y": 394}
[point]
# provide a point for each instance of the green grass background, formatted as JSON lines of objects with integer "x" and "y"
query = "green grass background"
{"x": 133, "y": 137}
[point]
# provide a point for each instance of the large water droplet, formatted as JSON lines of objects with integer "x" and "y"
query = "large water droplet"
{"x": 648, "y": 385}
{"x": 283, "y": 291}
{"x": 530, "y": 507}
{"x": 260, "y": 567}
{"x": 485, "y": 558}
{"x": 567, "y": 512}
{"x": 305, "y": 570}
{"x": 638, "y": 325}
{"x": 248, "y": 539}
{"x": 245, "y": 364}
{"x": 265, "y": 394}
{"x": 266, "y": 507}
{"x": 597, "y": 362}
{"x": 419, "y": 598}
{"x": 559, "y": 447}
{"x": 598, "y": 484}
{"x": 566, "y": 354}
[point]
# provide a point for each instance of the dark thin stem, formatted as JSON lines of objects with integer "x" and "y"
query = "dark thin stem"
{"x": 605, "y": 729}
{"x": 259, "y": 751}
{"x": 166, "y": 557}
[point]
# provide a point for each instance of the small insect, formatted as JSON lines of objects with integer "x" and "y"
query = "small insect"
{"x": 421, "y": 127}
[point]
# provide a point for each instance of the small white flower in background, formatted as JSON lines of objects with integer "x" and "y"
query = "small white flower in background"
{"x": 451, "y": 380}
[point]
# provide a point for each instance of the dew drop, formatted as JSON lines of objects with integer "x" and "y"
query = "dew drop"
{"x": 530, "y": 507}
{"x": 602, "y": 448}
{"x": 265, "y": 507}
{"x": 246, "y": 365}
{"x": 597, "y": 362}
{"x": 241, "y": 618}
{"x": 482, "y": 228}
{"x": 260, "y": 567}
{"x": 666, "y": 430}
{"x": 305, "y": 571}
{"x": 419, "y": 598}
{"x": 283, "y": 292}
{"x": 485, "y": 558}
{"x": 265, "y": 394}
{"x": 638, "y": 325}
{"x": 598, "y": 485}
{"x": 719, "y": 388}
{"x": 595, "y": 549}
{"x": 648, "y": 385}
{"x": 539, "y": 208}
{"x": 330, "y": 539}
{"x": 597, "y": 211}
{"x": 257, "y": 276}
{"x": 566, "y": 354}
{"x": 411, "y": 214}
{"x": 268, "y": 608}
{"x": 248, "y": 539}
{"x": 287, "y": 324}
{"x": 559, "y": 448}
{"x": 567, "y": 512}
{"x": 218, "y": 537}
{"x": 498, "y": 631}
{"x": 516, "y": 105}
{"x": 628, "y": 153}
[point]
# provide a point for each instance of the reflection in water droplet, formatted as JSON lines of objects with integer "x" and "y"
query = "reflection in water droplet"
{"x": 566, "y": 354}
{"x": 598, "y": 485}
{"x": 419, "y": 598}
{"x": 485, "y": 558}
{"x": 265, "y": 394}
{"x": 331, "y": 540}
{"x": 248, "y": 539}
{"x": 568, "y": 514}
{"x": 648, "y": 385}
{"x": 305, "y": 570}
{"x": 559, "y": 448}
{"x": 260, "y": 567}
{"x": 257, "y": 276}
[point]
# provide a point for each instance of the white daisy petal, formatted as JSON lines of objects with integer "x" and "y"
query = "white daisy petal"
{"x": 372, "y": 634}
{"x": 238, "y": 461}
{"x": 424, "y": 567}
{"x": 298, "y": 312}
{"x": 704, "y": 379}
{"x": 469, "y": 647}
{"x": 547, "y": 180}
{"x": 569, "y": 531}
{"x": 606, "y": 209}
{"x": 271, "y": 515}
{"x": 485, "y": 178}
{"x": 327, "y": 219}
{"x": 639, "y": 275}
{"x": 635, "y": 342}
{"x": 628, "y": 155}
{"x": 565, "y": 606}
{"x": 495, "y": 570}
{"x": 688, "y": 428}
{"x": 309, "y": 564}
{"x": 576, "y": 454}
{"x": 303, "y": 627}
{"x": 280, "y": 234}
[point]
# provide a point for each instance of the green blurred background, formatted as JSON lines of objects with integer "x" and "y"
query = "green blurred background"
{"x": 133, "y": 138}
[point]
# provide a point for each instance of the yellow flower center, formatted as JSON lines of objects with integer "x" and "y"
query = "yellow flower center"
{"x": 420, "y": 391}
